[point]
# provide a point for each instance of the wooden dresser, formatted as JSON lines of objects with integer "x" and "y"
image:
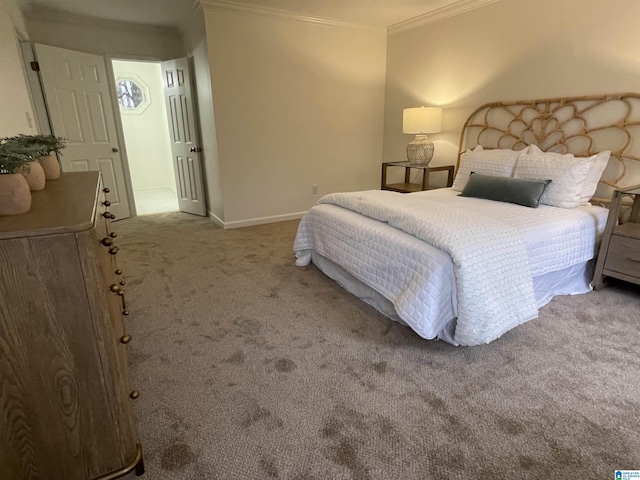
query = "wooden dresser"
{"x": 65, "y": 398}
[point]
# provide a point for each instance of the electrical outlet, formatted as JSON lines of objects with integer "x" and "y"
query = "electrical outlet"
{"x": 314, "y": 188}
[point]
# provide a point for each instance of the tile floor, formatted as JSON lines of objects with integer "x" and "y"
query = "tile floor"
{"x": 155, "y": 201}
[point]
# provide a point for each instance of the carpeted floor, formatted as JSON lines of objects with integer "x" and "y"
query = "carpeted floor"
{"x": 252, "y": 368}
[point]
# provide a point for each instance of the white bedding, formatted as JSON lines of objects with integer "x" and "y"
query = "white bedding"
{"x": 418, "y": 279}
{"x": 491, "y": 267}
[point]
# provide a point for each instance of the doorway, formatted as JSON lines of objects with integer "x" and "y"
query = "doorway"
{"x": 141, "y": 101}
{"x": 79, "y": 97}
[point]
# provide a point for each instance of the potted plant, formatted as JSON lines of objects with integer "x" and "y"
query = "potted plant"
{"x": 15, "y": 194}
{"x": 32, "y": 171}
{"x": 49, "y": 147}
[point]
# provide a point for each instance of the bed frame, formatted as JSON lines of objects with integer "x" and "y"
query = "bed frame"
{"x": 582, "y": 126}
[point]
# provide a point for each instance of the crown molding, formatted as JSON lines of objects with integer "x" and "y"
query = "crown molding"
{"x": 438, "y": 14}
{"x": 239, "y": 8}
{"x": 47, "y": 14}
{"x": 185, "y": 22}
{"x": 195, "y": 8}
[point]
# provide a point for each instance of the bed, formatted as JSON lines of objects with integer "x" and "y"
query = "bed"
{"x": 466, "y": 268}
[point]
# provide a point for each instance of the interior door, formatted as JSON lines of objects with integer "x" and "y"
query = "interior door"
{"x": 77, "y": 94}
{"x": 183, "y": 131}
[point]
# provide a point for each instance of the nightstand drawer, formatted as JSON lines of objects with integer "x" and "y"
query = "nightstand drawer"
{"x": 624, "y": 255}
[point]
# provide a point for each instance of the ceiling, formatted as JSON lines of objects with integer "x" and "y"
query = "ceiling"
{"x": 171, "y": 13}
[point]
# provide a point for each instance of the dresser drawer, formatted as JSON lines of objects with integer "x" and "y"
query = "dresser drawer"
{"x": 624, "y": 256}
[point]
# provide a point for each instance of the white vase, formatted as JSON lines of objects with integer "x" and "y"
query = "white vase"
{"x": 50, "y": 165}
{"x": 15, "y": 196}
{"x": 34, "y": 174}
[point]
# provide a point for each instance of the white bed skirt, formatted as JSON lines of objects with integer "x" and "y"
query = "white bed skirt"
{"x": 573, "y": 280}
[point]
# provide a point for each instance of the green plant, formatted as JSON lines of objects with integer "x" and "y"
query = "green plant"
{"x": 14, "y": 155}
{"x": 44, "y": 143}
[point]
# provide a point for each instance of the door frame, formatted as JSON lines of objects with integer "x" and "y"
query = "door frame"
{"x": 34, "y": 82}
{"x": 111, "y": 78}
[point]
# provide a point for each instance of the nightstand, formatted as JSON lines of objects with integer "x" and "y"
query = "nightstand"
{"x": 407, "y": 186}
{"x": 619, "y": 255}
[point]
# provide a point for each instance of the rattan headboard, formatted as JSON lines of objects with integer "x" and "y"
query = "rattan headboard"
{"x": 579, "y": 125}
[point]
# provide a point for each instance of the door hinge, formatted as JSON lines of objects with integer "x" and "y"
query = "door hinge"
{"x": 35, "y": 66}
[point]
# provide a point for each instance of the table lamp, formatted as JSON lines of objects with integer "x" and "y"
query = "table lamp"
{"x": 420, "y": 121}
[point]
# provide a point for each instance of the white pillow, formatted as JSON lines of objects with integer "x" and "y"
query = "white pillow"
{"x": 495, "y": 162}
{"x": 598, "y": 163}
{"x": 567, "y": 174}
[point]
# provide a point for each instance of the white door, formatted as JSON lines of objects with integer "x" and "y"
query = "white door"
{"x": 77, "y": 94}
{"x": 184, "y": 136}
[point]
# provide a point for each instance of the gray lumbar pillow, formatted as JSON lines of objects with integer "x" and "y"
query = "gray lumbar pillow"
{"x": 505, "y": 189}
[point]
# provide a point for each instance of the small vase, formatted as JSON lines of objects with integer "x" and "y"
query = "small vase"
{"x": 50, "y": 165}
{"x": 15, "y": 196}
{"x": 33, "y": 173}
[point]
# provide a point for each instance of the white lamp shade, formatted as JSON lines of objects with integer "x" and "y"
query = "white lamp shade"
{"x": 422, "y": 120}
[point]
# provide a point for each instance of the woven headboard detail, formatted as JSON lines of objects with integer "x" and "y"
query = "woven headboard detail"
{"x": 580, "y": 125}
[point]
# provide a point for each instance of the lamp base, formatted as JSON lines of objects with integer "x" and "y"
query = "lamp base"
{"x": 420, "y": 150}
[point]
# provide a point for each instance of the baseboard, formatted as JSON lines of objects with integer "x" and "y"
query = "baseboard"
{"x": 215, "y": 219}
{"x": 256, "y": 221}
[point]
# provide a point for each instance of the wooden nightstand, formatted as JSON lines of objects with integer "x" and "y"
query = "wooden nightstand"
{"x": 619, "y": 255}
{"x": 407, "y": 186}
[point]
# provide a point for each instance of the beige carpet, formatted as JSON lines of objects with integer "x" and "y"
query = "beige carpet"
{"x": 252, "y": 368}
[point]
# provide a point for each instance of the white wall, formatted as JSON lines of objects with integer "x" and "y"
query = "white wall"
{"x": 104, "y": 37}
{"x": 195, "y": 45}
{"x": 147, "y": 133}
{"x": 509, "y": 50}
{"x": 296, "y": 103}
{"x": 15, "y": 104}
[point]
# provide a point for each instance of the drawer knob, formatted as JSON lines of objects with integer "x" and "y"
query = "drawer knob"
{"x": 115, "y": 288}
{"x": 106, "y": 203}
{"x": 125, "y": 339}
{"x": 109, "y": 215}
{"x": 106, "y": 190}
{"x": 122, "y": 282}
{"x": 125, "y": 312}
{"x": 114, "y": 250}
{"x": 118, "y": 272}
{"x": 113, "y": 234}
{"x": 134, "y": 394}
{"x": 106, "y": 241}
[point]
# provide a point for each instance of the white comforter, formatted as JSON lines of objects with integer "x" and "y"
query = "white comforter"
{"x": 419, "y": 280}
{"x": 494, "y": 284}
